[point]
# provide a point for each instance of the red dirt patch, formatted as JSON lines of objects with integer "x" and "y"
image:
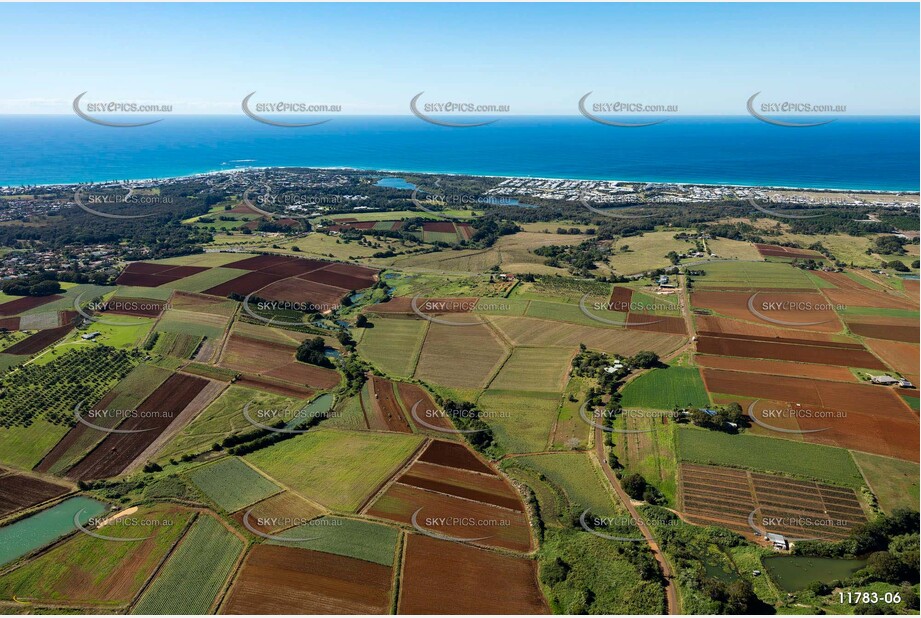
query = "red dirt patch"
{"x": 438, "y": 226}
{"x": 156, "y": 414}
{"x": 869, "y": 298}
{"x": 717, "y": 326}
{"x": 827, "y": 354}
{"x": 902, "y": 357}
{"x": 39, "y": 341}
{"x": 427, "y": 410}
{"x": 346, "y": 276}
{"x": 25, "y": 303}
{"x": 274, "y": 386}
{"x": 296, "y": 290}
{"x": 453, "y": 455}
{"x": 792, "y": 310}
{"x": 19, "y": 491}
{"x": 620, "y": 299}
{"x": 657, "y": 323}
{"x": 441, "y": 577}
{"x": 387, "y": 414}
{"x": 788, "y": 252}
{"x": 901, "y": 330}
{"x": 244, "y": 284}
{"x": 289, "y": 580}
{"x": 878, "y": 400}
{"x": 780, "y": 368}
{"x": 275, "y": 360}
{"x": 9, "y": 323}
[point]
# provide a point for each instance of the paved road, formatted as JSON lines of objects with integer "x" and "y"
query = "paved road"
{"x": 671, "y": 592}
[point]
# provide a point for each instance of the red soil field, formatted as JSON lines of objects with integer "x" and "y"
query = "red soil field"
{"x": 9, "y": 323}
{"x": 289, "y": 580}
{"x": 146, "y": 281}
{"x": 780, "y": 368}
{"x": 387, "y": 414}
{"x": 795, "y": 310}
{"x": 869, "y": 298}
{"x": 146, "y": 268}
{"x": 342, "y": 276}
{"x": 18, "y": 491}
{"x": 850, "y": 344}
{"x": 902, "y": 357}
{"x": 443, "y": 577}
{"x": 438, "y": 226}
{"x": 620, "y": 298}
{"x": 912, "y": 287}
{"x": 839, "y": 280}
{"x": 891, "y": 435}
{"x": 259, "y": 262}
{"x": 463, "y": 483}
{"x": 153, "y": 275}
{"x": 899, "y": 331}
{"x": 355, "y": 270}
{"x": 717, "y": 326}
{"x": 156, "y": 413}
{"x": 466, "y": 230}
{"x": 244, "y": 284}
{"x": 453, "y": 455}
{"x": 39, "y": 341}
{"x": 476, "y": 522}
{"x": 294, "y": 267}
{"x": 881, "y": 402}
{"x": 657, "y": 323}
{"x": 820, "y": 354}
{"x": 787, "y": 252}
{"x": 323, "y": 298}
{"x": 25, "y": 303}
{"x": 428, "y": 410}
{"x": 275, "y": 360}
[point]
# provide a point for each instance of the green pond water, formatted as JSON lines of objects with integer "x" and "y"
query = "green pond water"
{"x": 26, "y": 535}
{"x": 794, "y": 573}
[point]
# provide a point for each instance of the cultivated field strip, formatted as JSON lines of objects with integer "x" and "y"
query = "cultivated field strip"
{"x": 799, "y": 509}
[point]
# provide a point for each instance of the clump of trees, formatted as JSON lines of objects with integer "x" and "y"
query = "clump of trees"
{"x": 313, "y": 352}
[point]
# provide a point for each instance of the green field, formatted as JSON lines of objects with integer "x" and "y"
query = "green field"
{"x": 231, "y": 484}
{"x": 812, "y": 461}
{"x": 572, "y": 312}
{"x": 338, "y": 469}
{"x": 130, "y": 291}
{"x": 195, "y": 573}
{"x": 179, "y": 345}
{"x": 23, "y": 447}
{"x": 894, "y": 481}
{"x": 752, "y": 275}
{"x": 569, "y": 425}
{"x": 206, "y": 279}
{"x": 393, "y": 344}
{"x": 192, "y": 323}
{"x": 224, "y": 416}
{"x": 86, "y": 569}
{"x": 534, "y": 369}
{"x": 522, "y": 421}
{"x": 70, "y": 293}
{"x": 663, "y": 389}
{"x": 345, "y": 537}
{"x": 577, "y": 476}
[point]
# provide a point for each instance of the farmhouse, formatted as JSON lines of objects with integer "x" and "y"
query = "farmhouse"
{"x": 90, "y": 336}
{"x": 884, "y": 380}
{"x": 778, "y": 540}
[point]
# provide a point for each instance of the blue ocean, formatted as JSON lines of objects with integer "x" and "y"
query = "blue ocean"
{"x": 873, "y": 153}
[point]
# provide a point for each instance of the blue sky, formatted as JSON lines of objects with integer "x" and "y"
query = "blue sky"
{"x": 536, "y": 58}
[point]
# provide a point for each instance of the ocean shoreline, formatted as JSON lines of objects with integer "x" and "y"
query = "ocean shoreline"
{"x": 434, "y": 173}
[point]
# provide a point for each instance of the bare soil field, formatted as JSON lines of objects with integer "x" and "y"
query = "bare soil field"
{"x": 440, "y": 576}
{"x": 462, "y": 483}
{"x": 275, "y": 360}
{"x": 657, "y": 324}
{"x": 454, "y": 455}
{"x": 620, "y": 299}
{"x": 155, "y": 415}
{"x": 274, "y": 386}
{"x": 788, "y": 252}
{"x": 428, "y": 410}
{"x": 39, "y": 341}
{"x": 820, "y": 354}
{"x": 19, "y": 491}
{"x": 154, "y": 275}
{"x": 346, "y": 276}
{"x": 289, "y": 580}
{"x": 796, "y": 310}
{"x": 385, "y": 408}
{"x": 840, "y": 396}
{"x": 779, "y": 368}
{"x": 278, "y": 512}
{"x": 244, "y": 284}
{"x": 25, "y": 303}
{"x": 717, "y": 326}
{"x": 892, "y": 329}
{"x": 902, "y": 357}
{"x": 869, "y": 298}
{"x": 712, "y": 495}
{"x": 297, "y": 290}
